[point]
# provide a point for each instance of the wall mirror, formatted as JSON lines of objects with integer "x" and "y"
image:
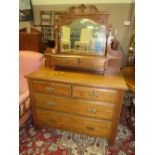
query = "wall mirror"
{"x": 83, "y": 36}
{"x": 25, "y": 10}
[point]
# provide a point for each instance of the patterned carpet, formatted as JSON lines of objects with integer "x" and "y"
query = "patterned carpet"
{"x": 58, "y": 142}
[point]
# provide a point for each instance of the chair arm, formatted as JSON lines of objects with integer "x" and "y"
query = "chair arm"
{"x": 23, "y": 97}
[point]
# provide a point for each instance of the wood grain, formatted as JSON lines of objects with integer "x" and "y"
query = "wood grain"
{"x": 74, "y": 123}
{"x": 92, "y": 101}
{"x": 95, "y": 109}
{"x": 105, "y": 95}
{"x": 52, "y": 88}
{"x": 77, "y": 78}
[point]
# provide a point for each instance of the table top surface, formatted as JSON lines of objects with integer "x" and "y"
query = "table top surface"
{"x": 110, "y": 81}
{"x": 129, "y": 76}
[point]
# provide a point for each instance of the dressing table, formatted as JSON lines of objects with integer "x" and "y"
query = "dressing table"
{"x": 81, "y": 88}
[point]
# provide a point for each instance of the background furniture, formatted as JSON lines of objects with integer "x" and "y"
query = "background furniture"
{"x": 131, "y": 52}
{"x": 30, "y": 40}
{"x": 129, "y": 76}
{"x": 130, "y": 58}
{"x": 47, "y": 28}
{"x": 29, "y": 61}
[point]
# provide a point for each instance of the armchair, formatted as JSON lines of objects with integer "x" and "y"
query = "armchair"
{"x": 29, "y": 61}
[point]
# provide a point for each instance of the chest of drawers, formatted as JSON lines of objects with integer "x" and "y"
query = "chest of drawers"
{"x": 78, "y": 102}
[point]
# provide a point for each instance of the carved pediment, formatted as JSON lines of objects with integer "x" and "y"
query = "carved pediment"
{"x": 83, "y": 9}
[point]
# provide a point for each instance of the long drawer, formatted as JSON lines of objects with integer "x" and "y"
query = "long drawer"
{"x": 87, "y": 63}
{"x": 106, "y": 95}
{"x": 52, "y": 88}
{"x": 84, "y": 107}
{"x": 73, "y": 123}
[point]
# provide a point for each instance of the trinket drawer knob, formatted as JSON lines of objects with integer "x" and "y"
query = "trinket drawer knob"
{"x": 93, "y": 94}
{"x": 91, "y": 110}
{"x": 50, "y": 89}
{"x": 51, "y": 103}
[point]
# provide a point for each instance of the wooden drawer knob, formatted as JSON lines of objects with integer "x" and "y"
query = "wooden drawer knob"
{"x": 51, "y": 103}
{"x": 50, "y": 89}
{"x": 93, "y": 94}
{"x": 91, "y": 110}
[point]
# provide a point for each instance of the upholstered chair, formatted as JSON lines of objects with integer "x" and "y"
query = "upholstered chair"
{"x": 29, "y": 61}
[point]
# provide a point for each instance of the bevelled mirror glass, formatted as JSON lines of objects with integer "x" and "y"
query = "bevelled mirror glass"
{"x": 83, "y": 36}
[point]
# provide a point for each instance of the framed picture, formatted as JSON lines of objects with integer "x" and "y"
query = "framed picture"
{"x": 25, "y": 10}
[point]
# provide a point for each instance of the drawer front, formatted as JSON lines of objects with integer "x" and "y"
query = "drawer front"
{"x": 89, "y": 108}
{"x": 92, "y": 62}
{"x": 65, "y": 61}
{"x": 82, "y": 63}
{"x": 52, "y": 88}
{"x": 105, "y": 95}
{"x": 73, "y": 123}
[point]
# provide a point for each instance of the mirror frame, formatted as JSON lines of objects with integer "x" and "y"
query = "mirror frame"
{"x": 100, "y": 18}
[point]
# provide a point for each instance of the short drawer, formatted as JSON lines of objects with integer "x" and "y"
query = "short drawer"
{"x": 65, "y": 61}
{"x": 92, "y": 62}
{"x": 52, "y": 88}
{"x": 96, "y": 109}
{"x": 106, "y": 95}
{"x": 73, "y": 123}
